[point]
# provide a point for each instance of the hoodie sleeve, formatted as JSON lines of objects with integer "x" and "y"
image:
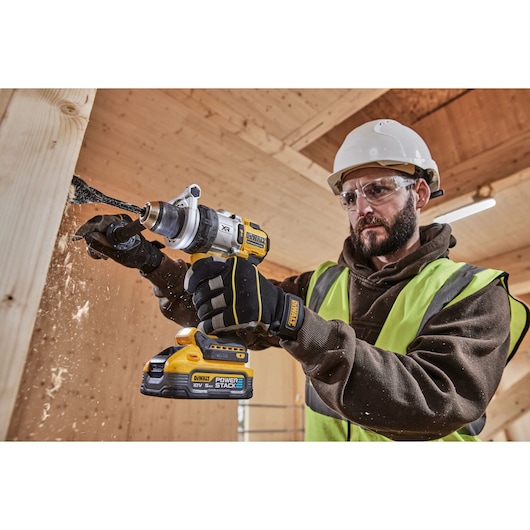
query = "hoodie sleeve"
{"x": 445, "y": 381}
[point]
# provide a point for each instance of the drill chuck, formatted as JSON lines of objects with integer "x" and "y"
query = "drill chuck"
{"x": 163, "y": 218}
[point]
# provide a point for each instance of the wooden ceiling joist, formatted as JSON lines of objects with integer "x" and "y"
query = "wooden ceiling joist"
{"x": 211, "y": 108}
{"x": 488, "y": 167}
{"x": 517, "y": 263}
{"x": 344, "y": 107}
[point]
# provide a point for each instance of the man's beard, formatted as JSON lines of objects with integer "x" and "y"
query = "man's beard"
{"x": 399, "y": 232}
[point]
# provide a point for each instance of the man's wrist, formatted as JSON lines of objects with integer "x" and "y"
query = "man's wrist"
{"x": 153, "y": 261}
{"x": 292, "y": 317}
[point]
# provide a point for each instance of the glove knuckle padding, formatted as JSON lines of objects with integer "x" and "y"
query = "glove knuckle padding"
{"x": 202, "y": 270}
{"x": 245, "y": 292}
{"x": 97, "y": 240}
{"x": 204, "y": 294}
{"x": 211, "y": 307}
{"x": 219, "y": 302}
{"x": 218, "y": 322}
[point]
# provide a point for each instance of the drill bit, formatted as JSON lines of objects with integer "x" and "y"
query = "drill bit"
{"x": 81, "y": 193}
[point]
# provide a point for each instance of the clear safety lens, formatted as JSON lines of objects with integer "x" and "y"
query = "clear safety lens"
{"x": 374, "y": 191}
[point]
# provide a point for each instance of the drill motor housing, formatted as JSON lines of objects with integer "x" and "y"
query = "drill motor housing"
{"x": 197, "y": 229}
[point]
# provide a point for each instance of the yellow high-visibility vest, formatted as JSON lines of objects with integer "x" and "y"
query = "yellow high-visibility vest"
{"x": 440, "y": 284}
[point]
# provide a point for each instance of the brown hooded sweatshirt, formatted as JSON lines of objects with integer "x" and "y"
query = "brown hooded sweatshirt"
{"x": 446, "y": 379}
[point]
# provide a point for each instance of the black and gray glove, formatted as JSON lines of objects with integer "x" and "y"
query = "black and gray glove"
{"x": 231, "y": 295}
{"x": 137, "y": 253}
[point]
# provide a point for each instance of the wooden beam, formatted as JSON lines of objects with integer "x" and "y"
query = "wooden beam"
{"x": 40, "y": 137}
{"x": 211, "y": 108}
{"x": 285, "y": 154}
{"x": 352, "y": 102}
{"x": 5, "y": 96}
{"x": 488, "y": 167}
{"x": 517, "y": 263}
{"x": 507, "y": 407}
{"x": 479, "y": 146}
{"x": 456, "y": 196}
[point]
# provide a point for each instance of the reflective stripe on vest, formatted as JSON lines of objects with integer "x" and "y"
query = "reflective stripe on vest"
{"x": 440, "y": 284}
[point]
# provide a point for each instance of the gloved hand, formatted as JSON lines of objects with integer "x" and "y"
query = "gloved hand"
{"x": 137, "y": 254}
{"x": 231, "y": 295}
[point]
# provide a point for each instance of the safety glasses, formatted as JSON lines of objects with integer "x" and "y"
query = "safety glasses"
{"x": 374, "y": 191}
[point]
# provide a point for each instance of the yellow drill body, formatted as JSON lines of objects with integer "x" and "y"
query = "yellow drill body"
{"x": 202, "y": 366}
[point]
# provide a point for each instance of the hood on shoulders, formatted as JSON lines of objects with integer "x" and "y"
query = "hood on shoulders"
{"x": 436, "y": 241}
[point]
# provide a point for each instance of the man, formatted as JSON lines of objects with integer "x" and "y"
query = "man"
{"x": 397, "y": 341}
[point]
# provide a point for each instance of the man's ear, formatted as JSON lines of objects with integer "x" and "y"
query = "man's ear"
{"x": 423, "y": 193}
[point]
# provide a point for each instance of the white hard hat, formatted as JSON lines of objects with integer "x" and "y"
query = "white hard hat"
{"x": 384, "y": 143}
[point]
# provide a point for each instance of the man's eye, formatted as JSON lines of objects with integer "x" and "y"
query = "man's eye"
{"x": 375, "y": 190}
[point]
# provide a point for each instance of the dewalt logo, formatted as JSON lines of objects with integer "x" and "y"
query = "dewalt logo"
{"x": 294, "y": 310}
{"x": 201, "y": 378}
{"x": 256, "y": 240}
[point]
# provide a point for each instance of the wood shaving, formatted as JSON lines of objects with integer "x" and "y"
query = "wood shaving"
{"x": 81, "y": 312}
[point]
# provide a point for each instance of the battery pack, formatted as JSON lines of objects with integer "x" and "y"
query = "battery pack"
{"x": 199, "y": 367}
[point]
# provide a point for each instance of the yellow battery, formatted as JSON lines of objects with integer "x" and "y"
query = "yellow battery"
{"x": 200, "y": 366}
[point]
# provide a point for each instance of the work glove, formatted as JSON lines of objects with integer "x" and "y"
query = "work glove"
{"x": 137, "y": 253}
{"x": 231, "y": 295}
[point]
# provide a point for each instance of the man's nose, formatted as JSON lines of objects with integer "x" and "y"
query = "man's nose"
{"x": 363, "y": 206}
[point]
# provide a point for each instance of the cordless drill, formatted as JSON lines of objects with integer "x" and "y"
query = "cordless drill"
{"x": 198, "y": 366}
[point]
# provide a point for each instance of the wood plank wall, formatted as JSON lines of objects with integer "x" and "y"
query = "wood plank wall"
{"x": 40, "y": 137}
